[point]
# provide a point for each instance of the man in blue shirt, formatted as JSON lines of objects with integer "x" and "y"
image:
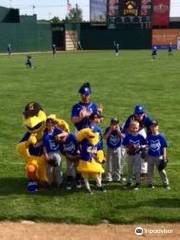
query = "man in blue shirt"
{"x": 81, "y": 111}
{"x": 140, "y": 116}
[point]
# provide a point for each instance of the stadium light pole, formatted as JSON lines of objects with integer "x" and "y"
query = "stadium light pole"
{"x": 10, "y": 3}
{"x": 49, "y": 15}
{"x": 33, "y": 7}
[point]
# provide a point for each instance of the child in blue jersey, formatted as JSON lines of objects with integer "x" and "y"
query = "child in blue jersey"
{"x": 113, "y": 137}
{"x": 81, "y": 111}
{"x": 144, "y": 120}
{"x": 52, "y": 152}
{"x": 154, "y": 52}
{"x": 134, "y": 143}
{"x": 69, "y": 147}
{"x": 95, "y": 119}
{"x": 157, "y": 152}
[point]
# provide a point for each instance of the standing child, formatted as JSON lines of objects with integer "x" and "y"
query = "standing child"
{"x": 9, "y": 50}
{"x": 52, "y": 152}
{"x": 28, "y": 61}
{"x": 69, "y": 147}
{"x": 157, "y": 155}
{"x": 113, "y": 137}
{"x": 95, "y": 119}
{"x": 170, "y": 49}
{"x": 54, "y": 49}
{"x": 116, "y": 48}
{"x": 134, "y": 143}
{"x": 154, "y": 52}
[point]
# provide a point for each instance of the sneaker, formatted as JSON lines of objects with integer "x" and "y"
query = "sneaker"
{"x": 167, "y": 187}
{"x": 116, "y": 180}
{"x": 101, "y": 189}
{"x": 78, "y": 185}
{"x": 69, "y": 187}
{"x": 128, "y": 184}
{"x": 123, "y": 179}
{"x": 108, "y": 180}
{"x": 137, "y": 186}
{"x": 89, "y": 191}
{"x": 32, "y": 187}
{"x": 151, "y": 186}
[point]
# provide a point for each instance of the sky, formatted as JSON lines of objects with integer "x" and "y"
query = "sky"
{"x": 46, "y": 9}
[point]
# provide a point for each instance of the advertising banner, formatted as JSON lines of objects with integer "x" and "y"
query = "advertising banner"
{"x": 163, "y": 37}
{"x": 160, "y": 13}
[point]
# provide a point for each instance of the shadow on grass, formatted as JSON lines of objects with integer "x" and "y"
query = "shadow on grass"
{"x": 17, "y": 185}
{"x": 156, "y": 203}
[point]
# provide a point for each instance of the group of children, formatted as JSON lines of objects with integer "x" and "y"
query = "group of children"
{"x": 122, "y": 145}
{"x": 137, "y": 142}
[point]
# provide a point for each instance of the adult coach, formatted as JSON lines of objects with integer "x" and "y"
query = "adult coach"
{"x": 84, "y": 108}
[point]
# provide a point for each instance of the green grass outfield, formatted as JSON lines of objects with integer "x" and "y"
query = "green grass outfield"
{"x": 118, "y": 83}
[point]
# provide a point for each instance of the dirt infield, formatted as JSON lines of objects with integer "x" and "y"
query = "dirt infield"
{"x": 26, "y": 230}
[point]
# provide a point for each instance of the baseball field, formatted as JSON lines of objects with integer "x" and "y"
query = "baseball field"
{"x": 118, "y": 83}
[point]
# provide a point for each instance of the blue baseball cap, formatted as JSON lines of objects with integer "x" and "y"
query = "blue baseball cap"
{"x": 85, "y": 89}
{"x": 138, "y": 109}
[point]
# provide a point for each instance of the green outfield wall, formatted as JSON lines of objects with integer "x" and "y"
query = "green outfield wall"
{"x": 25, "y": 37}
{"x": 101, "y": 38}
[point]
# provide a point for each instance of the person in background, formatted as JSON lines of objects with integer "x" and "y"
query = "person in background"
{"x": 9, "y": 49}
{"x": 28, "y": 61}
{"x": 54, "y": 49}
{"x": 116, "y": 48}
{"x": 154, "y": 52}
{"x": 170, "y": 49}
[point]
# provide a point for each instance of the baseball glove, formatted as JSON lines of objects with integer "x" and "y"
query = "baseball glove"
{"x": 162, "y": 165}
{"x": 132, "y": 150}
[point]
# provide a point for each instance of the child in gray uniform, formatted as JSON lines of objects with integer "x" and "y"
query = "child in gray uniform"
{"x": 157, "y": 155}
{"x": 134, "y": 144}
{"x": 113, "y": 139}
{"x": 51, "y": 151}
